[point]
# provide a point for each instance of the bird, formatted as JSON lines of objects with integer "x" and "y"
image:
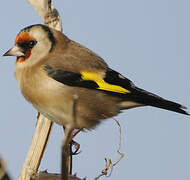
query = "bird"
{"x": 53, "y": 71}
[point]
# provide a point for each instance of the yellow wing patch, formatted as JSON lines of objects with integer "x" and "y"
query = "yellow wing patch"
{"x": 92, "y": 76}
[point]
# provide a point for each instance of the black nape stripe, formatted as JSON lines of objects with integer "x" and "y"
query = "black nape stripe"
{"x": 50, "y": 36}
{"x": 47, "y": 29}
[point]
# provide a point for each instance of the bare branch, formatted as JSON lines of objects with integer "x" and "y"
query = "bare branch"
{"x": 37, "y": 148}
{"x": 48, "y": 13}
{"x": 51, "y": 18}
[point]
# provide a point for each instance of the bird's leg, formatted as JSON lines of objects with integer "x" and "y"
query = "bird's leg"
{"x": 74, "y": 143}
{"x": 66, "y": 148}
{"x": 71, "y": 152}
{"x": 75, "y": 132}
{"x": 66, "y": 165}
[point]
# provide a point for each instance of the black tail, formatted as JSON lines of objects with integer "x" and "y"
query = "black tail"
{"x": 147, "y": 98}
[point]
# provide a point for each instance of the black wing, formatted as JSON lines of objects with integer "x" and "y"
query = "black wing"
{"x": 115, "y": 84}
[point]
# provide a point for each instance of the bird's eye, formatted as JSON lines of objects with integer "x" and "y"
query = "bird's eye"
{"x": 32, "y": 43}
{"x": 27, "y": 45}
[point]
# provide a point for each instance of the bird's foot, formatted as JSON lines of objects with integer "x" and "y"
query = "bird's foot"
{"x": 76, "y": 146}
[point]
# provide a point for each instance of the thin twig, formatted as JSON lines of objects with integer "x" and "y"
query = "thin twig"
{"x": 120, "y": 138}
{"x": 109, "y": 165}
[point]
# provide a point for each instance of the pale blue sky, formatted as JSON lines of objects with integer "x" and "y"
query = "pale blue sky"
{"x": 148, "y": 41}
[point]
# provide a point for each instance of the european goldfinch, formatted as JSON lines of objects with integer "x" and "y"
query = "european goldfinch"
{"x": 51, "y": 69}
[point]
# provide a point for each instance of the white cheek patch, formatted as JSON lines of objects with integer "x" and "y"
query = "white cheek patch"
{"x": 38, "y": 34}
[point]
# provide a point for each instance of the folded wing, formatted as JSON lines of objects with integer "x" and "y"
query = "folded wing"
{"x": 113, "y": 83}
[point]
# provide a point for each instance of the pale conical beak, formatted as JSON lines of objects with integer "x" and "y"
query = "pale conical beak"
{"x": 15, "y": 51}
